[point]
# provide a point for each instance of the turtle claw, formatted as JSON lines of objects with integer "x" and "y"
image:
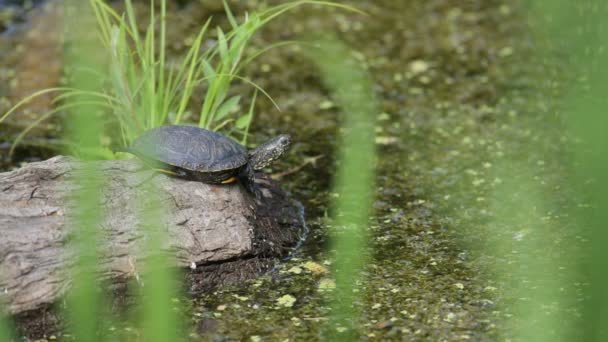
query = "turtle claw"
{"x": 257, "y": 193}
{"x": 247, "y": 178}
{"x": 254, "y": 189}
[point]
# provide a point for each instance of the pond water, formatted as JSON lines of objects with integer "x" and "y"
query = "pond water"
{"x": 463, "y": 118}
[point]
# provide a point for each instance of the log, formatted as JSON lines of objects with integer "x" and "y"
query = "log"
{"x": 206, "y": 226}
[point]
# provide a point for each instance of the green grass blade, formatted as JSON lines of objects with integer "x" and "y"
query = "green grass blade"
{"x": 230, "y": 16}
{"x": 353, "y": 92}
{"x": 256, "y": 86}
{"x": 6, "y": 331}
{"x": 44, "y": 117}
{"x": 250, "y": 114}
{"x": 162, "y": 49}
{"x": 260, "y": 52}
{"x": 222, "y": 44}
{"x": 131, "y": 17}
{"x": 83, "y": 129}
{"x": 149, "y": 67}
{"x": 242, "y": 122}
{"x": 222, "y": 124}
{"x": 227, "y": 107}
{"x": 158, "y": 321}
{"x": 208, "y": 70}
{"x": 194, "y": 68}
{"x": 30, "y": 98}
{"x": 68, "y": 93}
{"x": 276, "y": 11}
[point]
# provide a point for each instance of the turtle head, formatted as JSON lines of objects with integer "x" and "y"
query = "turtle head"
{"x": 269, "y": 151}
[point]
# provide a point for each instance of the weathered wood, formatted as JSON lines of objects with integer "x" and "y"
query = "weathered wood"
{"x": 205, "y": 224}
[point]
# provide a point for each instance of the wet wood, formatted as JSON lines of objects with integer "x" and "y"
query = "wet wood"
{"x": 220, "y": 229}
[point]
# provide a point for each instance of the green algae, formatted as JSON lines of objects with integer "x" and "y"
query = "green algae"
{"x": 463, "y": 97}
{"x": 460, "y": 99}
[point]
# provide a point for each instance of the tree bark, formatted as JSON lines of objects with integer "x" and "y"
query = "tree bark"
{"x": 205, "y": 226}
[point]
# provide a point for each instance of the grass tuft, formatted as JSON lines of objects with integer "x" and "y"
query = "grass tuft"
{"x": 143, "y": 91}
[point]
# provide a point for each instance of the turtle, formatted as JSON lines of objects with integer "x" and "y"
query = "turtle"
{"x": 202, "y": 155}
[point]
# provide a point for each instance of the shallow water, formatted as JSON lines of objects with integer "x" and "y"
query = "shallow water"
{"x": 461, "y": 106}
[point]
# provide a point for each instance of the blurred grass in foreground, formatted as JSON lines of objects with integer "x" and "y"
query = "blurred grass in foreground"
{"x": 587, "y": 119}
{"x": 576, "y": 32}
{"x": 6, "y": 331}
{"x": 352, "y": 90}
{"x": 84, "y": 300}
{"x": 88, "y": 316}
{"x": 159, "y": 313}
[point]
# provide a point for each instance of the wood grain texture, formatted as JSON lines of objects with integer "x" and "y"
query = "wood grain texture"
{"x": 205, "y": 225}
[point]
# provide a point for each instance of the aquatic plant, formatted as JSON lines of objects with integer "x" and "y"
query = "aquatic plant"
{"x": 141, "y": 90}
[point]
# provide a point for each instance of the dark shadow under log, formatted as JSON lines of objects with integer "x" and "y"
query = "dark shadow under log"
{"x": 218, "y": 233}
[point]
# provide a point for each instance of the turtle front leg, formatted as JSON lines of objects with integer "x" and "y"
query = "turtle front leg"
{"x": 247, "y": 178}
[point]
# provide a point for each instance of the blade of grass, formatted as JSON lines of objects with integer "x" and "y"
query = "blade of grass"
{"x": 149, "y": 66}
{"x": 30, "y": 98}
{"x": 353, "y": 92}
{"x": 131, "y": 17}
{"x": 230, "y": 16}
{"x": 222, "y": 44}
{"x": 264, "y": 50}
{"x": 84, "y": 300}
{"x": 226, "y": 107}
{"x": 222, "y": 124}
{"x": 250, "y": 113}
{"x": 159, "y": 319}
{"x": 6, "y": 331}
{"x": 161, "y": 57}
{"x": 250, "y": 82}
{"x": 193, "y": 70}
{"x": 44, "y": 117}
{"x": 276, "y": 11}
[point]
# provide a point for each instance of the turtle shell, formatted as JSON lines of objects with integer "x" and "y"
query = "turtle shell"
{"x": 190, "y": 148}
